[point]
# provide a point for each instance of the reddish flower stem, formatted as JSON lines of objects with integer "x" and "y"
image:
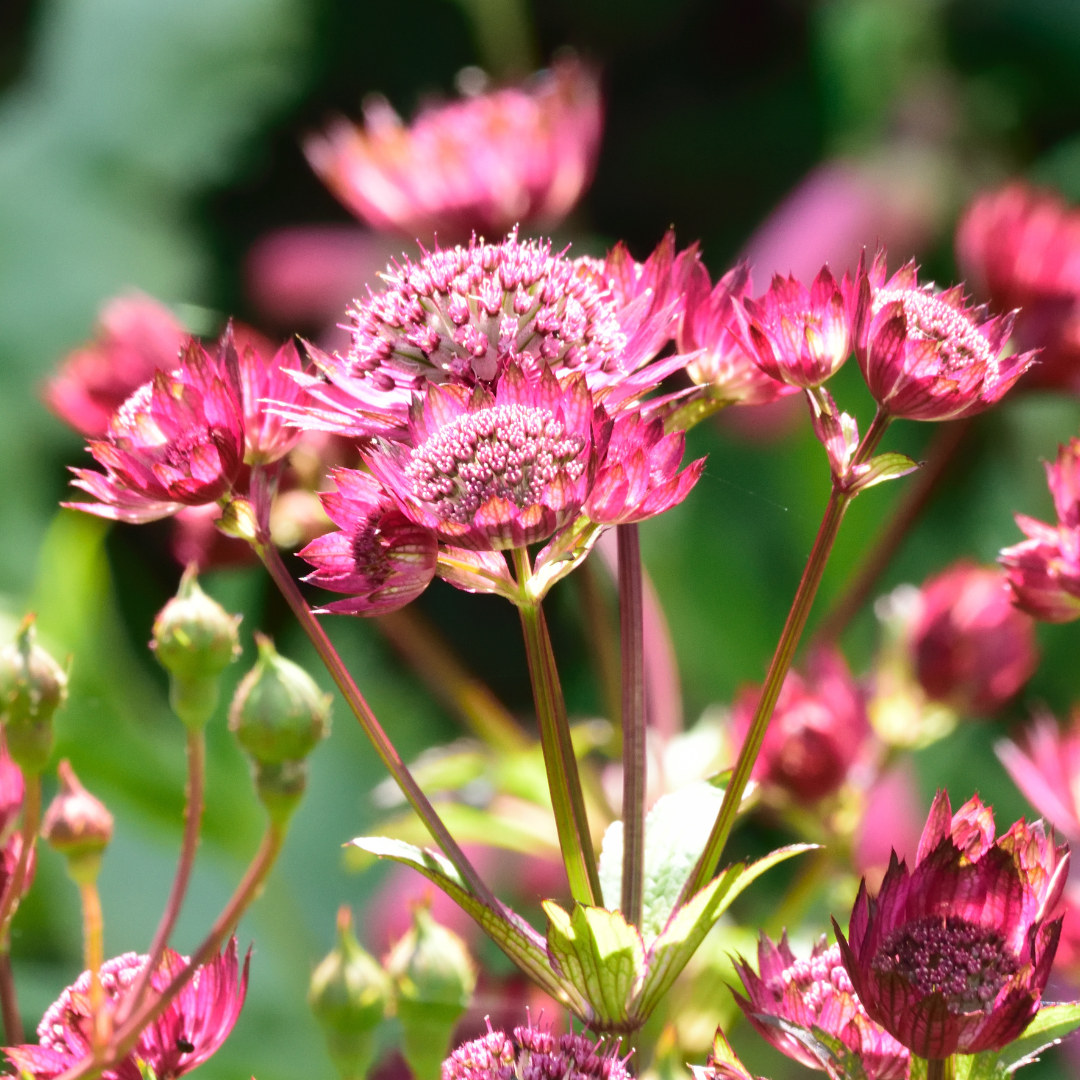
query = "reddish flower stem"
{"x": 193, "y": 810}
{"x": 778, "y": 669}
{"x": 564, "y": 781}
{"x": 372, "y": 728}
{"x": 943, "y": 449}
{"x": 632, "y": 636}
{"x": 9, "y": 1003}
{"x": 31, "y": 820}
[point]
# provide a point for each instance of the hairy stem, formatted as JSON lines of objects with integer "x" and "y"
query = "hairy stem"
{"x": 564, "y": 782}
{"x": 372, "y": 728}
{"x": 9, "y": 1003}
{"x": 193, "y": 810}
{"x": 631, "y": 625}
{"x": 31, "y": 820}
{"x": 838, "y": 503}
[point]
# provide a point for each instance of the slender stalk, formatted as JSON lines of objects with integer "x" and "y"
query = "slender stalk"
{"x": 838, "y": 503}
{"x": 31, "y": 820}
{"x": 9, "y": 1003}
{"x": 567, "y": 800}
{"x": 917, "y": 496}
{"x": 600, "y": 641}
{"x": 372, "y": 728}
{"x": 427, "y": 652}
{"x": 193, "y": 810}
{"x": 632, "y": 636}
{"x": 94, "y": 957}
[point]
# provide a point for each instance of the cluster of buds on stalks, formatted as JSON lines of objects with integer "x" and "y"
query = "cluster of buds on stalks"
{"x": 427, "y": 980}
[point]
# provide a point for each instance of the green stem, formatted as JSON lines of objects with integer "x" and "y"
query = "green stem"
{"x": 372, "y": 728}
{"x": 633, "y": 722}
{"x": 567, "y": 800}
{"x": 31, "y": 819}
{"x": 778, "y": 668}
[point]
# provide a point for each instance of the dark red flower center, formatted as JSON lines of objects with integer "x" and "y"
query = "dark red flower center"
{"x": 508, "y": 451}
{"x": 965, "y": 963}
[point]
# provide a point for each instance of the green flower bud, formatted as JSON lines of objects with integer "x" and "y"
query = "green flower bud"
{"x": 78, "y": 826}
{"x": 434, "y": 978}
{"x": 195, "y": 639}
{"x": 279, "y": 713}
{"x": 349, "y": 993}
{"x": 32, "y": 687}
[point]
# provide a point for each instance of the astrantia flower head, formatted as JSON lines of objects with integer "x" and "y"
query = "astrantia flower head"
{"x": 953, "y": 955}
{"x": 815, "y": 993}
{"x": 516, "y": 154}
{"x": 190, "y": 1030}
{"x": 927, "y": 355}
{"x": 532, "y": 1053}
{"x": 1044, "y": 570}
{"x": 177, "y": 441}
{"x": 265, "y": 384}
{"x": 798, "y": 335}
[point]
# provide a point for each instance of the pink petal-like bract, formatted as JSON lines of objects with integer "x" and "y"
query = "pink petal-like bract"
{"x": 189, "y": 1031}
{"x": 518, "y": 154}
{"x": 266, "y": 385}
{"x": 815, "y": 993}
{"x": 953, "y": 955}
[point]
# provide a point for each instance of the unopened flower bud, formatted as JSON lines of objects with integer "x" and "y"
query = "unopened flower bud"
{"x": 32, "y": 687}
{"x": 348, "y": 994}
{"x": 195, "y": 639}
{"x": 279, "y": 713}
{"x": 77, "y": 825}
{"x": 434, "y": 978}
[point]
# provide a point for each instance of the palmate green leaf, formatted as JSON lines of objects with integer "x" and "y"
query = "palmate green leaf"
{"x": 676, "y": 831}
{"x": 509, "y": 931}
{"x": 601, "y": 955}
{"x": 672, "y": 950}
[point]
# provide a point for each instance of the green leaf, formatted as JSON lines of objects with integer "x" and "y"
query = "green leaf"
{"x": 685, "y": 931}
{"x": 1051, "y": 1024}
{"x": 565, "y": 551}
{"x": 507, "y": 929}
{"x": 676, "y": 832}
{"x": 601, "y": 955}
{"x": 881, "y": 468}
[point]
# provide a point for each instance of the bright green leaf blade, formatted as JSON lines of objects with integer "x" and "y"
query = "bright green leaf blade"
{"x": 884, "y": 467}
{"x": 1051, "y": 1024}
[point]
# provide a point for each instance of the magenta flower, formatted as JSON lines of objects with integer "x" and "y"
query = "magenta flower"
{"x": 533, "y": 1052}
{"x": 520, "y": 154}
{"x": 11, "y": 792}
{"x": 971, "y": 648}
{"x": 379, "y": 556}
{"x": 265, "y": 384}
{"x": 639, "y": 477}
{"x": 136, "y": 336}
{"x": 815, "y": 993}
{"x": 177, "y": 441}
{"x": 722, "y": 362}
{"x": 1021, "y": 248}
{"x": 798, "y": 335}
{"x": 953, "y": 956}
{"x": 190, "y": 1030}
{"x": 816, "y": 732}
{"x": 928, "y": 356}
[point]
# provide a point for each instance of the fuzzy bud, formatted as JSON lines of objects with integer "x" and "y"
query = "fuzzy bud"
{"x": 77, "y": 825}
{"x": 32, "y": 687}
{"x": 195, "y": 639}
{"x": 434, "y": 977}
{"x": 349, "y": 993}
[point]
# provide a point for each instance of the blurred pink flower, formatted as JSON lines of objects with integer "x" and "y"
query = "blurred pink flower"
{"x": 11, "y": 792}
{"x": 891, "y": 821}
{"x": 520, "y": 154}
{"x": 1044, "y": 569}
{"x": 972, "y": 649}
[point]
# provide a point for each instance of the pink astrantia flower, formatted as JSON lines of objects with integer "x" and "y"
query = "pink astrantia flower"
{"x": 11, "y": 792}
{"x": 379, "y": 556}
{"x": 136, "y": 336}
{"x": 815, "y": 993}
{"x": 1044, "y": 569}
{"x": 177, "y": 441}
{"x": 927, "y": 355}
{"x": 971, "y": 648}
{"x": 1020, "y": 247}
{"x": 460, "y": 316}
{"x": 268, "y": 437}
{"x": 639, "y": 477}
{"x": 722, "y": 362}
{"x": 817, "y": 730}
{"x": 520, "y": 154}
{"x": 190, "y": 1030}
{"x": 953, "y": 955}
{"x": 534, "y": 1052}
{"x": 798, "y": 335}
